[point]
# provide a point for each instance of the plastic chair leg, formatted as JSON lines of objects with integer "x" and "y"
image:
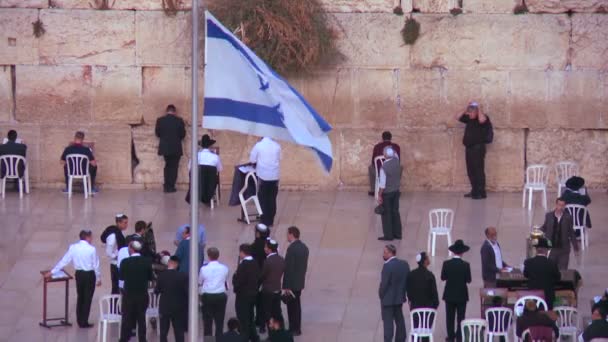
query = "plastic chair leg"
{"x": 449, "y": 243}
{"x": 433, "y": 243}
{"x": 70, "y": 187}
{"x": 3, "y": 187}
{"x": 26, "y": 176}
{"x": 545, "y": 199}
{"x": 530, "y": 195}
{"x": 523, "y": 198}
{"x": 428, "y": 244}
{"x": 85, "y": 187}
{"x": 20, "y": 188}
{"x": 244, "y": 206}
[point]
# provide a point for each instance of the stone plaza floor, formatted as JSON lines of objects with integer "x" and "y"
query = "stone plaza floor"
{"x": 340, "y": 302}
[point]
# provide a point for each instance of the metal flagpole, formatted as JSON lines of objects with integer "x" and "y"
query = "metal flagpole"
{"x": 193, "y": 272}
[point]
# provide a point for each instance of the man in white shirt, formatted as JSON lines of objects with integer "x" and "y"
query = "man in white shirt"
{"x": 212, "y": 279}
{"x": 86, "y": 263}
{"x": 114, "y": 239}
{"x": 266, "y": 155}
{"x": 206, "y": 156}
{"x": 491, "y": 258}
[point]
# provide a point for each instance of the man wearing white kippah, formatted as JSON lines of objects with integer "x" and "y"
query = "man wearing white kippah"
{"x": 388, "y": 195}
{"x": 114, "y": 239}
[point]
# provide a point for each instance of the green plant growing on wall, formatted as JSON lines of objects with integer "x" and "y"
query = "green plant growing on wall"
{"x": 170, "y": 7}
{"x": 410, "y": 31}
{"x": 102, "y": 4}
{"x": 291, "y": 36}
{"x": 38, "y": 27}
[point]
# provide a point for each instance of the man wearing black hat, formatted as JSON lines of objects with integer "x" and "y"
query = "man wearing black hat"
{"x": 542, "y": 272}
{"x": 209, "y": 166}
{"x": 558, "y": 228}
{"x": 170, "y": 130}
{"x": 457, "y": 274}
{"x": 576, "y": 193}
{"x": 173, "y": 303}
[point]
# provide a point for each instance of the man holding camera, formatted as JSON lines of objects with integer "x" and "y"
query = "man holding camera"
{"x": 477, "y": 134}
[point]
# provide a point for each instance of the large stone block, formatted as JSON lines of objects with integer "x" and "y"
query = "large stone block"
{"x": 434, "y": 6}
{"x": 24, "y": 3}
{"x": 6, "y": 94}
{"x": 54, "y": 94}
{"x": 88, "y": 37}
{"x": 119, "y": 4}
{"x": 330, "y": 93}
{"x": 461, "y": 87}
{"x": 371, "y": 39}
{"x": 163, "y": 40}
{"x": 162, "y": 86}
{"x": 495, "y": 97}
{"x": 30, "y": 135}
{"x": 483, "y": 6}
{"x": 582, "y": 146}
{"x": 358, "y": 6}
{"x": 528, "y": 98}
{"x": 17, "y": 42}
{"x": 376, "y": 98}
{"x": 117, "y": 94}
{"x": 112, "y": 151}
{"x": 492, "y": 42}
{"x": 150, "y": 167}
{"x": 420, "y": 94}
{"x": 590, "y": 41}
{"x": 563, "y": 6}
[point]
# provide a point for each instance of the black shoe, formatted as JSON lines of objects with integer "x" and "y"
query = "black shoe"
{"x": 371, "y": 193}
{"x": 468, "y": 194}
{"x": 170, "y": 190}
{"x": 398, "y": 238}
{"x": 476, "y": 197}
{"x": 296, "y": 333}
{"x": 87, "y": 325}
{"x": 382, "y": 238}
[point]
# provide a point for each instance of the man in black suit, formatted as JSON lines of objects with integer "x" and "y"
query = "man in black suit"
{"x": 136, "y": 272}
{"x": 245, "y": 282}
{"x": 559, "y": 230}
{"x": 170, "y": 130}
{"x": 173, "y": 304}
{"x": 457, "y": 274}
{"x": 598, "y": 327}
{"x": 392, "y": 293}
{"x": 421, "y": 285}
{"x": 296, "y": 263}
{"x": 491, "y": 258}
{"x": 542, "y": 272}
{"x": 272, "y": 273}
{"x": 12, "y": 147}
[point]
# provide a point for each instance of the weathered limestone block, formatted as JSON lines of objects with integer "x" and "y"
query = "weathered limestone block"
{"x": 420, "y": 93}
{"x": 330, "y": 93}
{"x": 162, "y": 86}
{"x": 24, "y": 3}
{"x": 358, "y": 6}
{"x": 461, "y": 87}
{"x": 6, "y": 94}
{"x": 484, "y": 6}
{"x": 117, "y": 94}
{"x": 375, "y": 99}
{"x": 119, "y": 4}
{"x": 586, "y": 147}
{"x": 492, "y": 42}
{"x": 30, "y": 135}
{"x": 163, "y": 40}
{"x": 112, "y": 151}
{"x": 495, "y": 97}
{"x": 528, "y": 98}
{"x": 54, "y": 94}
{"x": 504, "y": 163}
{"x": 590, "y": 41}
{"x": 563, "y": 6}
{"x": 88, "y": 37}
{"x": 434, "y": 6}
{"x": 17, "y": 42}
{"x": 371, "y": 39}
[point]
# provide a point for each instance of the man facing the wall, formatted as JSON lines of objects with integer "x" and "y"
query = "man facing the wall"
{"x": 170, "y": 130}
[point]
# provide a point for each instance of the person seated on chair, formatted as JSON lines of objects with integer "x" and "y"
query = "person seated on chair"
{"x": 377, "y": 152}
{"x": 77, "y": 147}
{"x": 532, "y": 317}
{"x": 576, "y": 193}
{"x": 13, "y": 147}
{"x": 598, "y": 327}
{"x": 206, "y": 156}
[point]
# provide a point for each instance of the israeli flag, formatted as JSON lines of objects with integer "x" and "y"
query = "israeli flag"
{"x": 243, "y": 94}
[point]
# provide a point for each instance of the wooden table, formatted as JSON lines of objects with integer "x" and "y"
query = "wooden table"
{"x": 62, "y": 321}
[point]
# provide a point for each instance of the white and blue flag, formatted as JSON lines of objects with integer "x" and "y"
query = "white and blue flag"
{"x": 244, "y": 94}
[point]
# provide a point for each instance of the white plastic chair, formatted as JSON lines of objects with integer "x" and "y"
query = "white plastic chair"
{"x": 567, "y": 318}
{"x": 426, "y": 318}
{"x": 579, "y": 222}
{"x": 11, "y": 163}
{"x": 152, "y": 310}
{"x": 78, "y": 168}
{"x": 109, "y": 312}
{"x": 499, "y": 322}
{"x": 441, "y": 222}
{"x": 216, "y": 198}
{"x": 253, "y": 198}
{"x": 476, "y": 328}
{"x": 378, "y": 162}
{"x": 563, "y": 171}
{"x": 518, "y": 309}
{"x": 537, "y": 176}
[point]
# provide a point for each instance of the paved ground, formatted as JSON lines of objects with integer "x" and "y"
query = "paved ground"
{"x": 340, "y": 301}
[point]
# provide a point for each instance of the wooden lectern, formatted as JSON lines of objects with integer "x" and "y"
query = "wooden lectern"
{"x": 63, "y": 321}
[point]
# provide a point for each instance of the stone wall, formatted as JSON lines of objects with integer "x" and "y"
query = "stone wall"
{"x": 542, "y": 77}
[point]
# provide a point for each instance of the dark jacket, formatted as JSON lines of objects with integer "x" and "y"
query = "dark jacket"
{"x": 488, "y": 262}
{"x": 13, "y": 148}
{"x": 207, "y": 183}
{"x": 422, "y": 289}
{"x": 173, "y": 288}
{"x": 535, "y": 319}
{"x": 475, "y": 133}
{"x": 457, "y": 274}
{"x": 296, "y": 263}
{"x": 257, "y": 251}
{"x": 393, "y": 282}
{"x": 597, "y": 329}
{"x": 272, "y": 272}
{"x": 245, "y": 280}
{"x": 571, "y": 197}
{"x": 566, "y": 230}
{"x": 120, "y": 238}
{"x": 280, "y": 336}
{"x": 171, "y": 131}
{"x": 231, "y": 336}
{"x": 542, "y": 274}
{"x": 183, "y": 253}
{"x": 136, "y": 271}
{"x": 379, "y": 150}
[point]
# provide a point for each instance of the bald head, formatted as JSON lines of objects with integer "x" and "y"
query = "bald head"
{"x": 491, "y": 234}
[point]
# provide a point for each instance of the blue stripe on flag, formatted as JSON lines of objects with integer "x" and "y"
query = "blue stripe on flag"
{"x": 326, "y": 160}
{"x": 252, "y": 112}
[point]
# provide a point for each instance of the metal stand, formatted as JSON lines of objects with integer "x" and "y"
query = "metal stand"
{"x": 63, "y": 321}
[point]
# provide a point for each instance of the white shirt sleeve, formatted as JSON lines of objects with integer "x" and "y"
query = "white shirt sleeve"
{"x": 111, "y": 250}
{"x": 64, "y": 261}
{"x": 96, "y": 265}
{"x": 201, "y": 279}
{"x": 253, "y": 156}
{"x": 382, "y": 179}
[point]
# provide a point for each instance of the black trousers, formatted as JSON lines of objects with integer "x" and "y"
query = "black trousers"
{"x": 475, "y": 157}
{"x": 268, "y": 200}
{"x": 391, "y": 219}
{"x": 271, "y": 304}
{"x": 294, "y": 312}
{"x": 178, "y": 321}
{"x": 393, "y": 314}
{"x": 243, "y": 306}
{"x": 85, "y": 287}
{"x": 92, "y": 174}
{"x": 114, "y": 277}
{"x": 170, "y": 171}
{"x": 133, "y": 313}
{"x": 259, "y": 310}
{"x": 214, "y": 311}
{"x": 454, "y": 311}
